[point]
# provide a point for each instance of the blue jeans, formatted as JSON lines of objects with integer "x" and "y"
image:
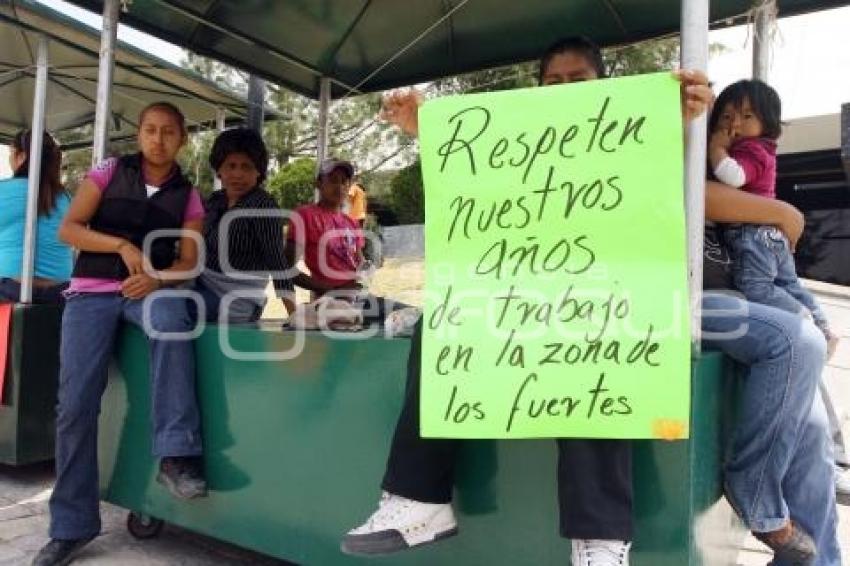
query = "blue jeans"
{"x": 781, "y": 463}
{"x": 212, "y": 304}
{"x": 764, "y": 270}
{"x": 89, "y": 328}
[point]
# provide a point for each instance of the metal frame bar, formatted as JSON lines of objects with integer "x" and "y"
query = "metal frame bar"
{"x": 763, "y": 14}
{"x": 15, "y": 78}
{"x": 694, "y": 44}
{"x": 220, "y": 124}
{"x": 34, "y": 174}
{"x": 256, "y": 103}
{"x": 56, "y": 80}
{"x": 322, "y": 129}
{"x": 351, "y": 27}
{"x": 103, "y": 114}
{"x": 132, "y": 68}
{"x": 324, "y": 110}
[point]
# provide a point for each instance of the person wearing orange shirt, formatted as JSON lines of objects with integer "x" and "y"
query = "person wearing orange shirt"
{"x": 357, "y": 202}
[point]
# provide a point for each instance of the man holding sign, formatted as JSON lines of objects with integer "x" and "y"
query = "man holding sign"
{"x": 568, "y": 357}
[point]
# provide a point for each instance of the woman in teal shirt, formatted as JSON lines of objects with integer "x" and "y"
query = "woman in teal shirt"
{"x": 53, "y": 259}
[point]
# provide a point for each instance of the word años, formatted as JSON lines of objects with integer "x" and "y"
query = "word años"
{"x": 572, "y": 256}
{"x": 606, "y": 134}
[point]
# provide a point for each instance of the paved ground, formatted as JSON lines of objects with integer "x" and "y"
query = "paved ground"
{"x": 23, "y": 530}
{"x": 24, "y": 493}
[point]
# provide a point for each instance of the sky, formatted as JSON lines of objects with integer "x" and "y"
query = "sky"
{"x": 810, "y": 63}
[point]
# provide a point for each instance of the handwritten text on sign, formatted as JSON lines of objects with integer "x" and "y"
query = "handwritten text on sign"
{"x": 556, "y": 288}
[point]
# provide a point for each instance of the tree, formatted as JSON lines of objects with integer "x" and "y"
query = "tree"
{"x": 194, "y": 160}
{"x": 293, "y": 185}
{"x": 647, "y": 57}
{"x": 501, "y": 78}
{"x": 355, "y": 133}
{"x": 407, "y": 197}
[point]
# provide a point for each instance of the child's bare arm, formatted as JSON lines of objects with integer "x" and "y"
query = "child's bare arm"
{"x": 727, "y": 170}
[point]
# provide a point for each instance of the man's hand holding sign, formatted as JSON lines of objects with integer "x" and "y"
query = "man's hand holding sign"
{"x": 556, "y": 289}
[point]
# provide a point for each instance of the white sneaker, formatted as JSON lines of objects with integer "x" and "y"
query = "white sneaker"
{"x": 842, "y": 485}
{"x": 592, "y": 552}
{"x": 398, "y": 524}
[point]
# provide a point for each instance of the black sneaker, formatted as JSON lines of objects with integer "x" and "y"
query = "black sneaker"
{"x": 183, "y": 476}
{"x": 59, "y": 552}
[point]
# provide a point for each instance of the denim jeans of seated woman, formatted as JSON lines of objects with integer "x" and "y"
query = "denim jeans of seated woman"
{"x": 10, "y": 292}
{"x": 781, "y": 461}
{"x": 90, "y": 325}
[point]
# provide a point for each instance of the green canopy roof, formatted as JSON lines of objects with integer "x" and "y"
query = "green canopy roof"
{"x": 294, "y": 42}
{"x": 139, "y": 78}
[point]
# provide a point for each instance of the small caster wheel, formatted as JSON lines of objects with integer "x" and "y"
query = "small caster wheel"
{"x": 143, "y": 526}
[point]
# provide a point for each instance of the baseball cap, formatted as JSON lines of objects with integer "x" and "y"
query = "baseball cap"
{"x": 331, "y": 163}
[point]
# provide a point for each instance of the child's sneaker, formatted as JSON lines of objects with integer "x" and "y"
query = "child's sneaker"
{"x": 399, "y": 524}
{"x": 594, "y": 552}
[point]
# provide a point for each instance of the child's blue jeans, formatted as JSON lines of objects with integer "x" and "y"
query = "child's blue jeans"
{"x": 764, "y": 270}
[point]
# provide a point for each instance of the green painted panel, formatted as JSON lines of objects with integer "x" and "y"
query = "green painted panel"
{"x": 28, "y": 414}
{"x": 295, "y": 451}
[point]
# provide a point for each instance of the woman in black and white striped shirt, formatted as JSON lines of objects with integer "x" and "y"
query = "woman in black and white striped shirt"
{"x": 243, "y": 234}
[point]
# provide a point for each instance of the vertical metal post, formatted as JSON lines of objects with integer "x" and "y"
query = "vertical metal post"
{"x": 322, "y": 129}
{"x": 764, "y": 14}
{"x": 256, "y": 103}
{"x": 845, "y": 139}
{"x": 34, "y": 174}
{"x": 695, "y": 57}
{"x": 103, "y": 114}
{"x": 220, "y": 125}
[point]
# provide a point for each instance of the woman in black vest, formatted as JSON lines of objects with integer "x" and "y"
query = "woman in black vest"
{"x": 115, "y": 215}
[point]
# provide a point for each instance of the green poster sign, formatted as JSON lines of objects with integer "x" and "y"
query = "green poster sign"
{"x": 556, "y": 283}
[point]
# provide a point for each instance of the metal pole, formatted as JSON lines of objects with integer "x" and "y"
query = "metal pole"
{"x": 324, "y": 108}
{"x": 695, "y": 57}
{"x": 220, "y": 125}
{"x": 102, "y": 114}
{"x": 256, "y": 103}
{"x": 34, "y": 174}
{"x": 763, "y": 15}
{"x": 845, "y": 138}
{"x": 322, "y": 130}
